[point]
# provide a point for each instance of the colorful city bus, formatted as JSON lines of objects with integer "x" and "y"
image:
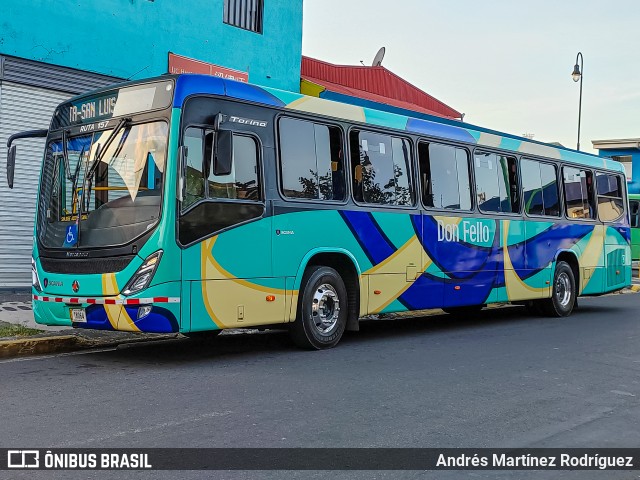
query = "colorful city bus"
{"x": 194, "y": 204}
{"x": 634, "y": 217}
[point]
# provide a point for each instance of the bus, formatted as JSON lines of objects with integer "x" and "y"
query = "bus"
{"x": 194, "y": 204}
{"x": 634, "y": 217}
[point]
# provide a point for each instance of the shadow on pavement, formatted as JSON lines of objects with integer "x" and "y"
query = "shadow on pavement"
{"x": 275, "y": 342}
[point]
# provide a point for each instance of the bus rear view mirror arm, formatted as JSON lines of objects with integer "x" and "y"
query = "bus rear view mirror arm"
{"x": 11, "y": 153}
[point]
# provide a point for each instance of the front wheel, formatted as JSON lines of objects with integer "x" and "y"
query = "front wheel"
{"x": 563, "y": 293}
{"x": 322, "y": 309}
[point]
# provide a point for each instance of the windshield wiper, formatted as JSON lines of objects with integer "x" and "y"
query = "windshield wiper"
{"x": 89, "y": 171}
{"x": 76, "y": 175}
{"x": 65, "y": 156}
{"x": 100, "y": 150}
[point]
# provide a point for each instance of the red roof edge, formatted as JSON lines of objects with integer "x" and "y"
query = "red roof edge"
{"x": 375, "y": 80}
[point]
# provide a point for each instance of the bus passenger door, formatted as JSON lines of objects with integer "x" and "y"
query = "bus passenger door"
{"x": 227, "y": 263}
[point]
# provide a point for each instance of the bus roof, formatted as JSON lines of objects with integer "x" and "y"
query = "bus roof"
{"x": 188, "y": 84}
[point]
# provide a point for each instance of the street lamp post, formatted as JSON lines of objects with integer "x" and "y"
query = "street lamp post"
{"x": 578, "y": 71}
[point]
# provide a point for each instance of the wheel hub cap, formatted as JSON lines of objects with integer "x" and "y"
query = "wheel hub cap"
{"x": 325, "y": 308}
{"x": 563, "y": 289}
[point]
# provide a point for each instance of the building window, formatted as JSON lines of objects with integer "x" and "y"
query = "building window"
{"x": 444, "y": 174}
{"x": 245, "y": 14}
{"x": 626, "y": 161}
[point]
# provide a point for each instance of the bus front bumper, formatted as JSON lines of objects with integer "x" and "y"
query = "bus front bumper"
{"x": 153, "y": 311}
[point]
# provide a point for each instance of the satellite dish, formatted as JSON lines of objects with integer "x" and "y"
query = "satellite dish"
{"x": 377, "y": 61}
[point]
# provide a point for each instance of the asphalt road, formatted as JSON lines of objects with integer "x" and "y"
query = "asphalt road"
{"x": 502, "y": 379}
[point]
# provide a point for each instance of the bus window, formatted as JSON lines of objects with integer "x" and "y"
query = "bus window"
{"x": 496, "y": 183}
{"x": 380, "y": 167}
{"x": 540, "y": 188}
{"x": 242, "y": 182}
{"x": 550, "y": 192}
{"x": 193, "y": 140}
{"x": 444, "y": 173}
{"x": 610, "y": 203}
{"x": 578, "y": 193}
{"x": 311, "y": 163}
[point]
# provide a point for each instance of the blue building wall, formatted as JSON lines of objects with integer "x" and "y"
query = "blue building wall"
{"x": 634, "y": 184}
{"x": 132, "y": 38}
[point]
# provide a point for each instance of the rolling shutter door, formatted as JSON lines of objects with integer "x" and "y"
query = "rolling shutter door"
{"x": 21, "y": 108}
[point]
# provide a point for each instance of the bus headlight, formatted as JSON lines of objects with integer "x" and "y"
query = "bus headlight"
{"x": 142, "y": 278}
{"x": 35, "y": 280}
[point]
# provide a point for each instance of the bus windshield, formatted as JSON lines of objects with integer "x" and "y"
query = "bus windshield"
{"x": 112, "y": 191}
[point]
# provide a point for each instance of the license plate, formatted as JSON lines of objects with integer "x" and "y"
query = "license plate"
{"x": 78, "y": 315}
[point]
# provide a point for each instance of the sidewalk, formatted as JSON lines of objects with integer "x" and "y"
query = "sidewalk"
{"x": 15, "y": 310}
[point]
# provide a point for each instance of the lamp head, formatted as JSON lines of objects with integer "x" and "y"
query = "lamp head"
{"x": 576, "y": 73}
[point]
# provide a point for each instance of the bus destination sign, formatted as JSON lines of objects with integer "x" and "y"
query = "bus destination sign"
{"x": 102, "y": 106}
{"x": 93, "y": 109}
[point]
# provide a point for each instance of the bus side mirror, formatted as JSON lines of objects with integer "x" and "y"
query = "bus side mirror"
{"x": 11, "y": 165}
{"x": 223, "y": 154}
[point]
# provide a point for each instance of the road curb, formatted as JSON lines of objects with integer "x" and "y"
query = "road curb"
{"x": 23, "y": 347}
{"x": 47, "y": 345}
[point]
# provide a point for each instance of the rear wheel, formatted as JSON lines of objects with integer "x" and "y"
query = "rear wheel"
{"x": 322, "y": 309}
{"x": 563, "y": 293}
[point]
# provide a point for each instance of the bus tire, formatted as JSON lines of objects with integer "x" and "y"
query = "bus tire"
{"x": 563, "y": 293}
{"x": 322, "y": 309}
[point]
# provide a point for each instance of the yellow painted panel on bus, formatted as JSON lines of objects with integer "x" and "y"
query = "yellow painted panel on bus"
{"x": 231, "y": 304}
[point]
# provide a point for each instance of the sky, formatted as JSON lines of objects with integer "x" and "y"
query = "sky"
{"x": 505, "y": 64}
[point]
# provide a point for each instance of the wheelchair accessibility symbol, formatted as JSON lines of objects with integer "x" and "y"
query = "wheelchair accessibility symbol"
{"x": 71, "y": 236}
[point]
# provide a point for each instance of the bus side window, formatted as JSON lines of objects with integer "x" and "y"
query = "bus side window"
{"x": 539, "y": 188}
{"x": 610, "y": 202}
{"x": 496, "y": 183}
{"x": 195, "y": 187}
{"x": 578, "y": 193}
{"x": 444, "y": 173}
{"x": 381, "y": 168}
{"x": 242, "y": 183}
{"x": 311, "y": 164}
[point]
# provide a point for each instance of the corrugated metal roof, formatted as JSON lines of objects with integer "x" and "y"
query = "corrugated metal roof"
{"x": 375, "y": 83}
{"x": 51, "y": 77}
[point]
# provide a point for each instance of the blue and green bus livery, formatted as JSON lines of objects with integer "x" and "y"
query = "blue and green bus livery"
{"x": 194, "y": 231}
